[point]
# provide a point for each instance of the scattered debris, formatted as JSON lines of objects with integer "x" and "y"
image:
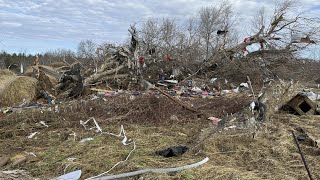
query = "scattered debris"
{"x": 214, "y": 120}
{"x": 43, "y": 123}
{"x": 222, "y": 32}
{"x": 32, "y": 135}
{"x": 86, "y": 139}
{"x": 151, "y": 89}
{"x": 171, "y": 81}
{"x": 96, "y": 125}
{"x": 176, "y": 100}
{"x": 75, "y": 175}
{"x": 301, "y": 105}
{"x": 246, "y": 85}
{"x": 230, "y": 127}
{"x": 173, "y": 151}
{"x": 311, "y": 95}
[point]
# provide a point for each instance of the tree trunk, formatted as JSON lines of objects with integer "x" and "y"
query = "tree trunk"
{"x": 96, "y": 77}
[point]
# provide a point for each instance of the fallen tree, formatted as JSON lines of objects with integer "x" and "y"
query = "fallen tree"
{"x": 104, "y": 75}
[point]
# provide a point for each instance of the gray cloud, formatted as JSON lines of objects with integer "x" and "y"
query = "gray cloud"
{"x": 41, "y": 24}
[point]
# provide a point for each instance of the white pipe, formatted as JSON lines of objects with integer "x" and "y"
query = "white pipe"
{"x": 156, "y": 170}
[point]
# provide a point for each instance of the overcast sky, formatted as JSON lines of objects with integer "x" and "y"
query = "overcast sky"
{"x": 40, "y": 25}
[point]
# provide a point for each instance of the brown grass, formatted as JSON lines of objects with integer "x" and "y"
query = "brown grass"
{"x": 234, "y": 154}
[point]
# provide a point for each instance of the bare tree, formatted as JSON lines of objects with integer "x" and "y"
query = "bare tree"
{"x": 212, "y": 18}
{"x": 190, "y": 41}
{"x": 150, "y": 34}
{"x": 208, "y": 16}
{"x": 168, "y": 34}
{"x": 228, "y": 21}
{"x": 57, "y": 55}
{"x": 259, "y": 20}
{"x": 86, "y": 49}
{"x": 192, "y": 32}
{"x": 105, "y": 51}
{"x": 276, "y": 31}
{"x": 285, "y": 22}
